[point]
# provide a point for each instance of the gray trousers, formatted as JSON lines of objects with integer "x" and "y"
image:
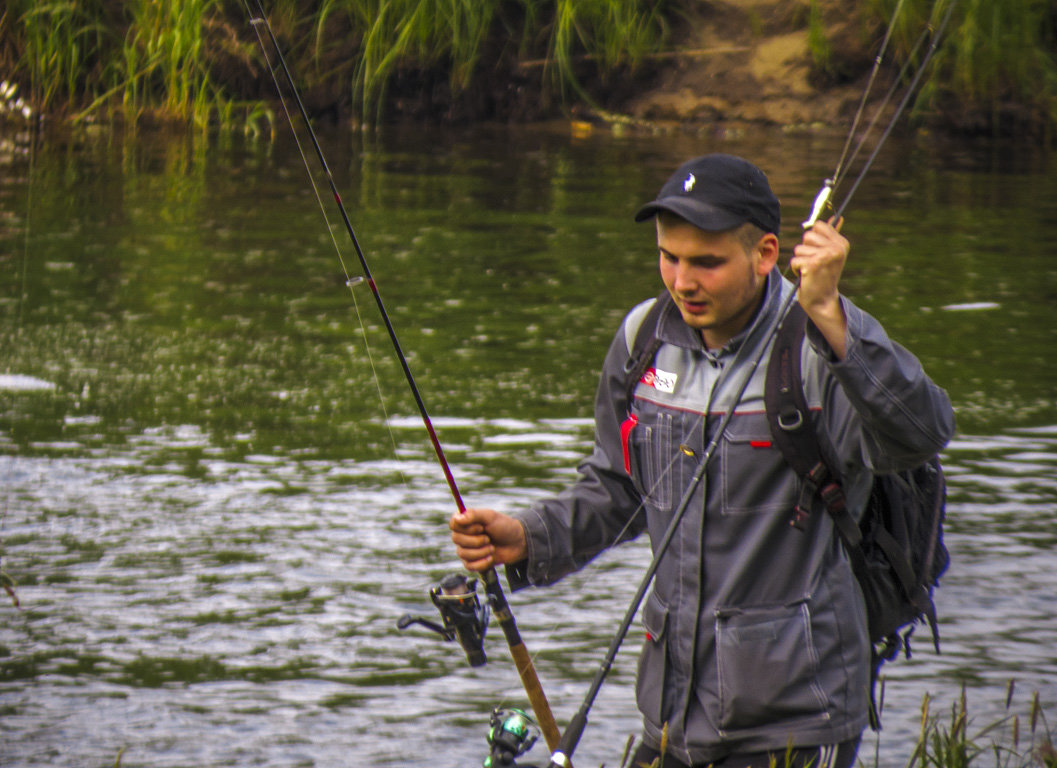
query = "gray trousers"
{"x": 828, "y": 756}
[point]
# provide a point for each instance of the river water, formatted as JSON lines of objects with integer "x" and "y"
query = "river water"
{"x": 217, "y": 498}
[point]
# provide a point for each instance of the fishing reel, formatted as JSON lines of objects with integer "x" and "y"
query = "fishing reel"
{"x": 463, "y": 615}
{"x": 510, "y": 735}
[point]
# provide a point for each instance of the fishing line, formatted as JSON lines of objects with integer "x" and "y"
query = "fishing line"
{"x": 838, "y": 173}
{"x": 28, "y": 226}
{"x": 350, "y": 282}
{"x": 263, "y": 21}
{"x": 911, "y": 89}
{"x": 824, "y": 197}
{"x": 879, "y": 110}
{"x": 489, "y": 577}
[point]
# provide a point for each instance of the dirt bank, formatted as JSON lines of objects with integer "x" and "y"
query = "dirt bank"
{"x": 728, "y": 62}
{"x": 749, "y": 61}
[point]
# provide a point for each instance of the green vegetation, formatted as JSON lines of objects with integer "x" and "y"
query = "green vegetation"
{"x": 952, "y": 740}
{"x": 134, "y": 59}
{"x": 198, "y": 61}
{"x": 997, "y": 67}
{"x": 818, "y": 43}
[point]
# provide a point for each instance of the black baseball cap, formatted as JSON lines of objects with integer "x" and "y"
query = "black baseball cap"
{"x": 716, "y": 193}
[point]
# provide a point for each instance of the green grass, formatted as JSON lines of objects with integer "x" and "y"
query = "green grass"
{"x": 59, "y": 41}
{"x": 997, "y": 64}
{"x": 198, "y": 62}
{"x": 952, "y": 739}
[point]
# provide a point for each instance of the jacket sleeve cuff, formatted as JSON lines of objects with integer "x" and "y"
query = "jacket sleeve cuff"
{"x": 517, "y": 575}
{"x": 547, "y": 559}
{"x": 852, "y": 335}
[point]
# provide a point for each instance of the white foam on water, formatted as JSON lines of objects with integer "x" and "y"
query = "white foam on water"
{"x": 21, "y": 383}
{"x": 975, "y": 306}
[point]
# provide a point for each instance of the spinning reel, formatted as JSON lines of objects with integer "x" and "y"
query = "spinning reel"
{"x": 512, "y": 734}
{"x": 463, "y": 615}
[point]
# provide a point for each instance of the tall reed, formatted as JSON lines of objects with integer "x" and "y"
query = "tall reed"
{"x": 999, "y": 59}
{"x": 411, "y": 33}
{"x": 164, "y": 54}
{"x": 196, "y": 60}
{"x": 160, "y": 56}
{"x": 614, "y": 33}
{"x": 61, "y": 41}
{"x": 394, "y": 34}
{"x": 953, "y": 740}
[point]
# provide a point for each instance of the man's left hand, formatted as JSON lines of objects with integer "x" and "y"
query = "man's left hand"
{"x": 819, "y": 261}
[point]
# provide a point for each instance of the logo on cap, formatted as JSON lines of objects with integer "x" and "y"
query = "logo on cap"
{"x": 689, "y": 183}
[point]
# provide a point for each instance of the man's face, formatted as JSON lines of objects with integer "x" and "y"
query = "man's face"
{"x": 715, "y": 282}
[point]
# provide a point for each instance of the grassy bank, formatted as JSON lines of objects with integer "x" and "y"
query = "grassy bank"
{"x": 996, "y": 71}
{"x": 198, "y": 61}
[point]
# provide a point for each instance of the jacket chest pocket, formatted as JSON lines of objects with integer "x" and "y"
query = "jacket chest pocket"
{"x": 654, "y": 462}
{"x": 754, "y": 476}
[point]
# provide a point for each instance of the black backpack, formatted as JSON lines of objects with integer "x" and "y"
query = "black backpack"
{"x": 896, "y": 550}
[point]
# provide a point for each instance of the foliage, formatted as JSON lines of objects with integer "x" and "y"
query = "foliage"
{"x": 61, "y": 41}
{"x": 818, "y": 43}
{"x": 948, "y": 741}
{"x": 997, "y": 64}
{"x": 87, "y": 57}
{"x": 191, "y": 60}
{"x": 197, "y": 60}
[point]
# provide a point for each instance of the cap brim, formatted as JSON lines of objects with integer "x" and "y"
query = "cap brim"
{"x": 701, "y": 215}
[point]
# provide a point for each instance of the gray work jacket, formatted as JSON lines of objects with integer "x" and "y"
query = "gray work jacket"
{"x": 755, "y": 630}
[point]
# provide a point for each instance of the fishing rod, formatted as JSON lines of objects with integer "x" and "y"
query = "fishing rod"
{"x": 823, "y": 199}
{"x": 456, "y": 606}
{"x": 562, "y": 756}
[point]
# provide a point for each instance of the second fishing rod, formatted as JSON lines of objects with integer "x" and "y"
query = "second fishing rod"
{"x": 451, "y": 601}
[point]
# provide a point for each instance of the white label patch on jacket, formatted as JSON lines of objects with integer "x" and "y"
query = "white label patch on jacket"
{"x": 660, "y": 380}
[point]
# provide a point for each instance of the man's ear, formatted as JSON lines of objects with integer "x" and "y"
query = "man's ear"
{"x": 768, "y": 250}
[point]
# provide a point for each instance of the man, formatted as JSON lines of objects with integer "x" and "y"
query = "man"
{"x": 756, "y": 636}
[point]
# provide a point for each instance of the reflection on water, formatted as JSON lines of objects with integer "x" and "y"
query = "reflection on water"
{"x": 218, "y": 499}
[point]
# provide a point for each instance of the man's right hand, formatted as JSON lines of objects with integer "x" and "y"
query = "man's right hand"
{"x": 485, "y": 538}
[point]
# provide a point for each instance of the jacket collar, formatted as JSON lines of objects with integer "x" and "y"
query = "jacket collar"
{"x": 672, "y": 330}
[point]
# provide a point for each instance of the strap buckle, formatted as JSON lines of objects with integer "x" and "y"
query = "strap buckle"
{"x": 791, "y": 421}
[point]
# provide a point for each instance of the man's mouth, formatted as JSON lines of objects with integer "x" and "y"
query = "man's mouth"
{"x": 694, "y": 307}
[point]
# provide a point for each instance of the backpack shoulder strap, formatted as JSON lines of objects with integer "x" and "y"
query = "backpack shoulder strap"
{"x": 788, "y": 414}
{"x": 793, "y": 428}
{"x": 644, "y": 348}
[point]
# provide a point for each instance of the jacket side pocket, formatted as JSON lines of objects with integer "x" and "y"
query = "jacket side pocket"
{"x": 768, "y": 667}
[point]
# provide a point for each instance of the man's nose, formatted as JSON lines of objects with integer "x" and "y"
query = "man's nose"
{"x": 684, "y": 278}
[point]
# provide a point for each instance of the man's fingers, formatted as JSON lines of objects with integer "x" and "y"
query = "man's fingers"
{"x": 470, "y": 541}
{"x": 477, "y": 566}
{"x": 466, "y": 522}
{"x": 476, "y": 557}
